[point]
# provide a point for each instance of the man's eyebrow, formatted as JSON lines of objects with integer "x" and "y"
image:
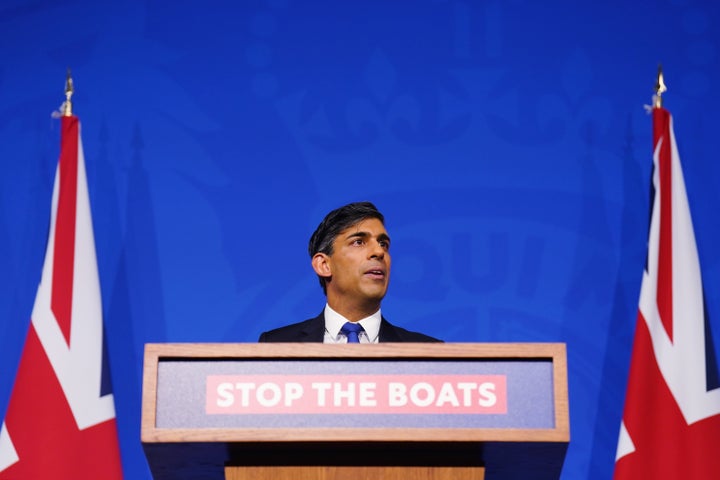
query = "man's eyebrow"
{"x": 382, "y": 236}
{"x": 358, "y": 234}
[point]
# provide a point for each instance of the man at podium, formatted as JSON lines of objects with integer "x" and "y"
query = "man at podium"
{"x": 350, "y": 252}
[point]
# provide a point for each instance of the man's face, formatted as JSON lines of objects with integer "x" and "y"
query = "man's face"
{"x": 359, "y": 268}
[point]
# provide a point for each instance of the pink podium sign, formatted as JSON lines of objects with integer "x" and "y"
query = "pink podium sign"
{"x": 356, "y": 394}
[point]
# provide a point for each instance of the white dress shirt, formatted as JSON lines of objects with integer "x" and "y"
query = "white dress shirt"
{"x": 334, "y": 322}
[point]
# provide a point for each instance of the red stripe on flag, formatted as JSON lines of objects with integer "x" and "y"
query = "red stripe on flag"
{"x": 44, "y": 431}
{"x": 64, "y": 255}
{"x": 661, "y": 133}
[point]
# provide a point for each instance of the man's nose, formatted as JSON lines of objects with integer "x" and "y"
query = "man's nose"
{"x": 377, "y": 250}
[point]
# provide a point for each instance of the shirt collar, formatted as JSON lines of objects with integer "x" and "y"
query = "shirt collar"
{"x": 334, "y": 322}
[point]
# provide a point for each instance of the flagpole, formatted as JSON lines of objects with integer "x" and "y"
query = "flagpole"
{"x": 660, "y": 88}
{"x": 69, "y": 90}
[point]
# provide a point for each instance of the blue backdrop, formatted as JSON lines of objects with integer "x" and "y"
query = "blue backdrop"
{"x": 505, "y": 141}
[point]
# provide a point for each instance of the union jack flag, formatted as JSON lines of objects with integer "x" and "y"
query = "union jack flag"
{"x": 60, "y": 421}
{"x": 671, "y": 422}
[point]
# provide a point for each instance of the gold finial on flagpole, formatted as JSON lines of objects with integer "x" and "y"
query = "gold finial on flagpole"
{"x": 67, "y": 105}
{"x": 660, "y": 88}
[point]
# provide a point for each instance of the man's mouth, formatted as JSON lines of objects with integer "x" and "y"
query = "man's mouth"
{"x": 376, "y": 273}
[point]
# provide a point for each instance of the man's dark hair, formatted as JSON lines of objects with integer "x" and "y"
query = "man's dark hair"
{"x": 335, "y": 222}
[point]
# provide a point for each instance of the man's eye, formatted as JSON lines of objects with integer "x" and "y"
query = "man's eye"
{"x": 357, "y": 241}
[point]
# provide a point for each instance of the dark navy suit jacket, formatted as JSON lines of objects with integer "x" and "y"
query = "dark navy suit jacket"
{"x": 313, "y": 330}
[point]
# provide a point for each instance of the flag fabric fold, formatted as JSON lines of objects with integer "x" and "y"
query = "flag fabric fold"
{"x": 671, "y": 421}
{"x": 60, "y": 422}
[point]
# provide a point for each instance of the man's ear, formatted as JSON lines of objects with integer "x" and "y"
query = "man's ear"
{"x": 321, "y": 265}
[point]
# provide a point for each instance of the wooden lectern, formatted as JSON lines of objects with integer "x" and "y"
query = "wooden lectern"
{"x": 356, "y": 412}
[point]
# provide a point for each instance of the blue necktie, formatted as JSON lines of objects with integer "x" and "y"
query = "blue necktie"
{"x": 351, "y": 331}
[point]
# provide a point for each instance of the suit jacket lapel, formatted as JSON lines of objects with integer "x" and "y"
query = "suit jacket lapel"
{"x": 314, "y": 331}
{"x": 387, "y": 332}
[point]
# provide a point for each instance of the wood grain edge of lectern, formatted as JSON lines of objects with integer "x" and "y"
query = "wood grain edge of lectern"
{"x": 380, "y": 350}
{"x": 353, "y": 473}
